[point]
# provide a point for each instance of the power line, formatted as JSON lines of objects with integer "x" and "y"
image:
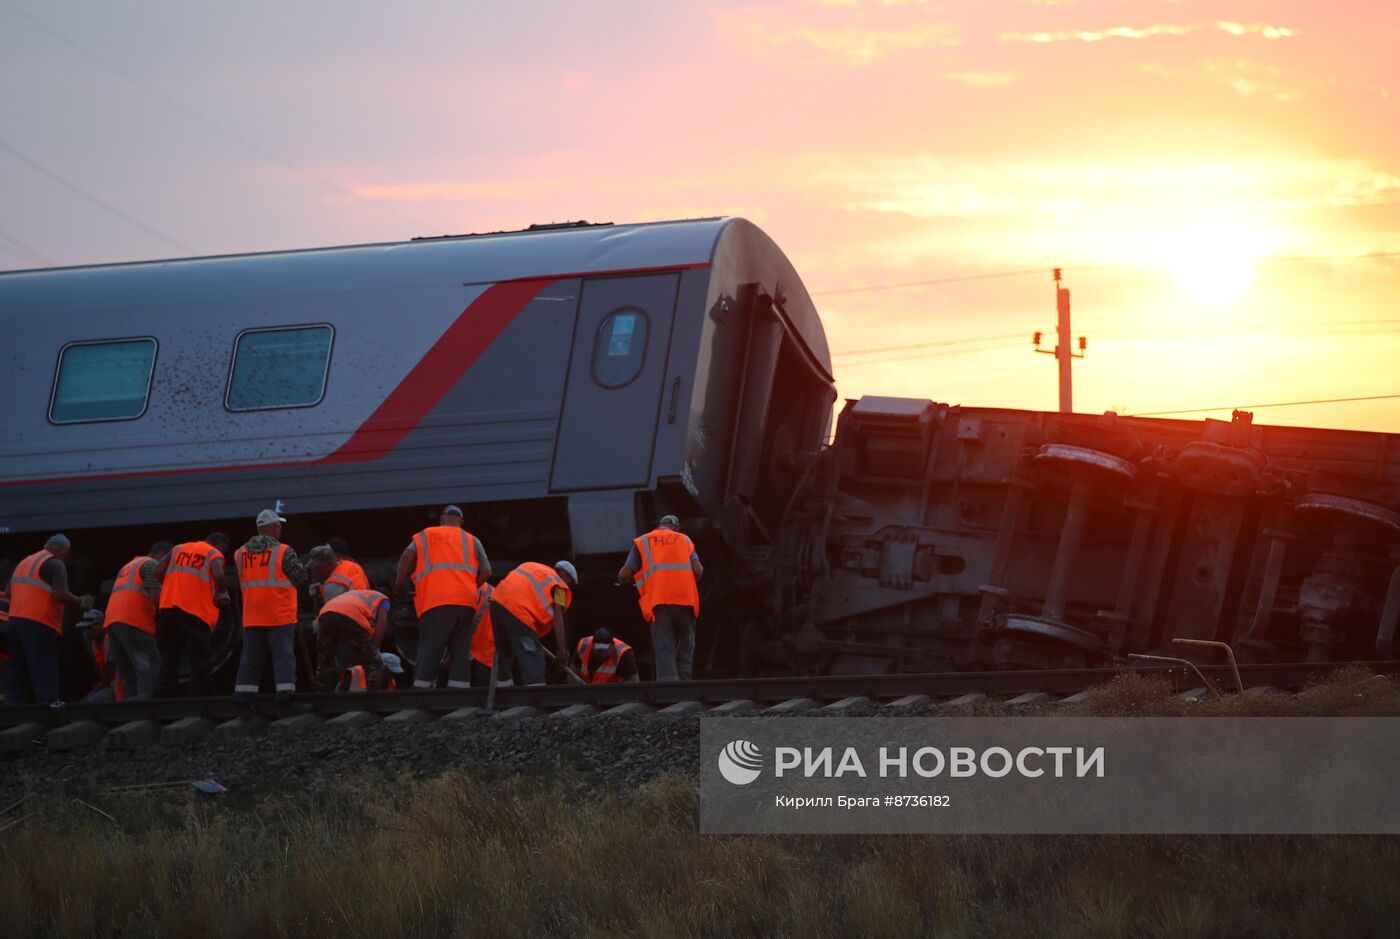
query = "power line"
{"x": 22, "y": 250}
{"x": 1255, "y": 407}
{"x": 929, "y": 283}
{"x": 1271, "y": 259}
{"x": 95, "y": 200}
{"x": 201, "y": 118}
{"x": 929, "y": 354}
{"x": 1003, "y": 337}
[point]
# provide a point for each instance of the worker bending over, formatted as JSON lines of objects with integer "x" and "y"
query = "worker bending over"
{"x": 269, "y": 573}
{"x": 130, "y": 624}
{"x": 484, "y": 643}
{"x": 446, "y": 562}
{"x": 360, "y": 619}
{"x": 603, "y": 659}
{"x": 667, "y": 572}
{"x": 526, "y": 606}
{"x": 38, "y": 594}
{"x": 192, "y": 589}
{"x": 345, "y": 573}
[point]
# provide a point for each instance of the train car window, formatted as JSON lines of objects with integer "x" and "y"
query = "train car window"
{"x": 620, "y": 349}
{"x": 279, "y": 368}
{"x": 102, "y": 381}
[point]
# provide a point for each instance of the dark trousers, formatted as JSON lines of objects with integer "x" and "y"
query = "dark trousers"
{"x": 673, "y": 641}
{"x": 261, "y": 643}
{"x": 334, "y": 631}
{"x": 444, "y": 629}
{"x": 33, "y": 649}
{"x": 137, "y": 658}
{"x": 517, "y": 642}
{"x": 178, "y": 634}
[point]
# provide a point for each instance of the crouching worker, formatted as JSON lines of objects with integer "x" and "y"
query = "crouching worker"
{"x": 601, "y": 659}
{"x": 360, "y": 619}
{"x": 355, "y": 678}
{"x": 527, "y": 605}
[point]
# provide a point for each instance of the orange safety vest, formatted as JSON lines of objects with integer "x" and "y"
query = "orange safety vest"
{"x": 349, "y": 575}
{"x": 484, "y": 640}
{"x": 355, "y": 676}
{"x": 666, "y": 578}
{"x": 362, "y": 606}
{"x": 129, "y": 602}
{"x": 269, "y": 599}
{"x": 445, "y": 573}
{"x": 31, "y": 597}
{"x": 188, "y": 585}
{"x": 607, "y": 671}
{"x": 527, "y": 591}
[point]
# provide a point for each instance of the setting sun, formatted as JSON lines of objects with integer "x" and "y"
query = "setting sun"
{"x": 1213, "y": 264}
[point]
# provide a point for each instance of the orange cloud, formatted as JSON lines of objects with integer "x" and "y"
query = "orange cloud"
{"x": 981, "y": 79}
{"x": 1157, "y": 29}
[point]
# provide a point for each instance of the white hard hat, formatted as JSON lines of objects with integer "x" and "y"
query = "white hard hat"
{"x": 568, "y": 570}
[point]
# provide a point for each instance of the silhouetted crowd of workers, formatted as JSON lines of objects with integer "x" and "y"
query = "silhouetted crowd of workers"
{"x": 165, "y": 605}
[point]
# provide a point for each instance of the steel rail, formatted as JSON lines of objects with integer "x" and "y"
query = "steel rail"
{"x": 761, "y": 691}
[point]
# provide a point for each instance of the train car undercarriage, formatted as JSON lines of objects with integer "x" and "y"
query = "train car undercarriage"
{"x": 930, "y": 537}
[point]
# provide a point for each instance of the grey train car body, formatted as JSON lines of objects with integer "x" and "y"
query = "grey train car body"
{"x": 568, "y": 381}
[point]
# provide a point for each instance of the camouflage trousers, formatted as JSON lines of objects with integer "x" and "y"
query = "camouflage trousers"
{"x": 331, "y": 630}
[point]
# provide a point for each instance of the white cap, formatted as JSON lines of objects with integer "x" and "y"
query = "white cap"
{"x": 391, "y": 662}
{"x": 268, "y": 517}
{"x": 568, "y": 570}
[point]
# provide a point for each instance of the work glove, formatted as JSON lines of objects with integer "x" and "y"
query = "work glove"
{"x": 85, "y": 601}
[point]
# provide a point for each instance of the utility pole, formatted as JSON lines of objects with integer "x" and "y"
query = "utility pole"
{"x": 1063, "y": 351}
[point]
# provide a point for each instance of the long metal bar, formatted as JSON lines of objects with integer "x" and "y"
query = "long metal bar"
{"x": 717, "y": 691}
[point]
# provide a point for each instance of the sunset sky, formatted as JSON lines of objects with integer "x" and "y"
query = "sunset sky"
{"x": 1219, "y": 180}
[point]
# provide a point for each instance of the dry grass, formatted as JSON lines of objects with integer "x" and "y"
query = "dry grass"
{"x": 1353, "y": 692}
{"x": 458, "y": 855}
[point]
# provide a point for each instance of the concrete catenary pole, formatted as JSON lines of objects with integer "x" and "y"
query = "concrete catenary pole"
{"x": 1064, "y": 351}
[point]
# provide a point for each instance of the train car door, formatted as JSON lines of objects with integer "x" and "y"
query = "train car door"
{"x": 612, "y": 399}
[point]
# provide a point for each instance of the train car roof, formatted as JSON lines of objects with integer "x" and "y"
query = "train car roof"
{"x": 571, "y": 249}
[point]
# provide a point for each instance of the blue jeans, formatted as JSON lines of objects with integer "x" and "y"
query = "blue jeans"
{"x": 33, "y": 651}
{"x": 259, "y": 644}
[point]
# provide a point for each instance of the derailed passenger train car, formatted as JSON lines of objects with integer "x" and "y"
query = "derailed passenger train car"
{"x": 932, "y": 536}
{"x": 564, "y": 384}
{"x": 567, "y": 385}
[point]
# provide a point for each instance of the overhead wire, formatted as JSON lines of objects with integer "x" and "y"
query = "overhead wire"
{"x": 22, "y": 250}
{"x": 1255, "y": 407}
{"x": 94, "y": 199}
{"x": 204, "y": 119}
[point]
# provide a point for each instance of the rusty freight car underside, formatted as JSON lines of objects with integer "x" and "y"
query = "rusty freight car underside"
{"x": 931, "y": 536}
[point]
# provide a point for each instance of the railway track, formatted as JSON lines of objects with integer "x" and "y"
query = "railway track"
{"x": 126, "y": 725}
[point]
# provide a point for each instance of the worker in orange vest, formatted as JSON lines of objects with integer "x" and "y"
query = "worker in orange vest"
{"x": 354, "y": 677}
{"x": 667, "y": 572}
{"x": 359, "y": 619}
{"x": 332, "y": 565}
{"x": 130, "y": 623}
{"x": 526, "y": 606}
{"x": 603, "y": 659}
{"x": 269, "y": 573}
{"x": 445, "y": 562}
{"x": 484, "y": 643}
{"x": 4, "y": 630}
{"x": 38, "y": 594}
{"x": 192, "y": 589}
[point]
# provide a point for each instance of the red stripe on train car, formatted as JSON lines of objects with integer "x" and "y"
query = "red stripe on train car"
{"x": 426, "y": 384}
